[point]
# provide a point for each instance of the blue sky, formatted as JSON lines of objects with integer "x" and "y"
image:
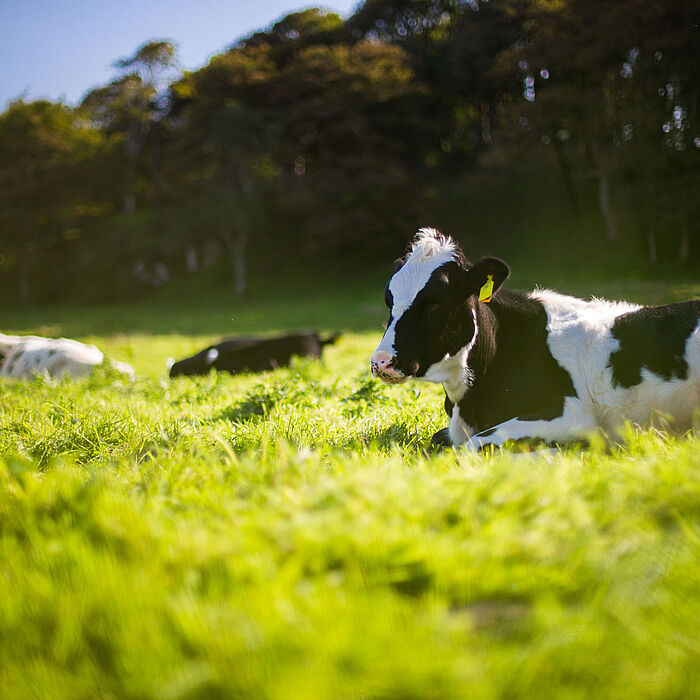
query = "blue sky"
{"x": 59, "y": 49}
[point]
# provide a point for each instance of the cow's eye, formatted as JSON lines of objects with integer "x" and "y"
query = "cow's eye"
{"x": 430, "y": 301}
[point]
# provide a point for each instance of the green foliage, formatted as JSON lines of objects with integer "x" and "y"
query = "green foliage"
{"x": 319, "y": 135}
{"x": 47, "y": 155}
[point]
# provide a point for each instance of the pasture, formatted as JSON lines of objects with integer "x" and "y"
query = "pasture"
{"x": 290, "y": 535}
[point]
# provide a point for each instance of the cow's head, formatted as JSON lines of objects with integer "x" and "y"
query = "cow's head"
{"x": 431, "y": 299}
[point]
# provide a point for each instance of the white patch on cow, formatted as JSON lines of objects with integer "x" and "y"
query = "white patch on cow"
{"x": 575, "y": 423}
{"x": 458, "y": 430}
{"x": 429, "y": 251}
{"x": 580, "y": 339}
{"x": 212, "y": 356}
{"x": 453, "y": 371}
{"x": 692, "y": 353}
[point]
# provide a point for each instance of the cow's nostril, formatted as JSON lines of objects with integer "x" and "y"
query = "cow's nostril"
{"x": 382, "y": 359}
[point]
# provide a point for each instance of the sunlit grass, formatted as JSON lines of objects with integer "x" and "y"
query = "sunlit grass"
{"x": 290, "y": 535}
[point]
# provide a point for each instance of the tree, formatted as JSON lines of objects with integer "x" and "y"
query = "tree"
{"x": 225, "y": 148}
{"x": 130, "y": 107}
{"x": 331, "y": 127}
{"x": 47, "y": 162}
{"x": 596, "y": 74}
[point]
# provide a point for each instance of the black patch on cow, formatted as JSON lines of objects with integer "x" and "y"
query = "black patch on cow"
{"x": 448, "y": 405}
{"x": 437, "y": 322}
{"x": 653, "y": 338}
{"x": 515, "y": 374}
{"x": 388, "y": 298}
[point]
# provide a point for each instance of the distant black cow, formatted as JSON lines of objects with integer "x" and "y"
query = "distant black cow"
{"x": 251, "y": 354}
{"x": 538, "y": 365}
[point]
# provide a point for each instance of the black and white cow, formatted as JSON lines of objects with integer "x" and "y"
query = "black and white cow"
{"x": 24, "y": 356}
{"x": 540, "y": 365}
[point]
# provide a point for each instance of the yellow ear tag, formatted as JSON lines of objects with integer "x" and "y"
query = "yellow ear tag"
{"x": 487, "y": 290}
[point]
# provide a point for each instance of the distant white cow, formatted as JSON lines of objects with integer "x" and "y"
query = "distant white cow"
{"x": 23, "y": 356}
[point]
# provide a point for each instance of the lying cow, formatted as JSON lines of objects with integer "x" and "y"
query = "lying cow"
{"x": 23, "y": 356}
{"x": 540, "y": 365}
{"x": 250, "y": 354}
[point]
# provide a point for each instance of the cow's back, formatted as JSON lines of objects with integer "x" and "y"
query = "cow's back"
{"x": 25, "y": 356}
{"x": 655, "y": 368}
{"x": 659, "y": 339}
{"x": 629, "y": 363}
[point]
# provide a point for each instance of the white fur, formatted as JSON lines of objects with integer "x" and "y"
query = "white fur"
{"x": 26, "y": 356}
{"x": 428, "y": 252}
{"x": 457, "y": 429}
{"x": 574, "y": 424}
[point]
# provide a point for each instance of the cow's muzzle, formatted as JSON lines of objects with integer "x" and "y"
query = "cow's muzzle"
{"x": 383, "y": 368}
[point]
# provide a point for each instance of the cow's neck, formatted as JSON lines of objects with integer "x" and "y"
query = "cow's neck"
{"x": 493, "y": 324}
{"x": 497, "y": 322}
{"x": 484, "y": 350}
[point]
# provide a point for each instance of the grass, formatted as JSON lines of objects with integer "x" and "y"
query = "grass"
{"x": 288, "y": 535}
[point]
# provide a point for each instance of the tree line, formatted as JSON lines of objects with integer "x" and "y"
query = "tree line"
{"x": 328, "y": 136}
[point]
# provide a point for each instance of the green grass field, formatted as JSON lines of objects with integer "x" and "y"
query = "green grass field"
{"x": 289, "y": 535}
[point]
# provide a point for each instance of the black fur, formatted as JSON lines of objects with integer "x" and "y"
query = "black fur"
{"x": 437, "y": 322}
{"x": 654, "y": 338}
{"x": 515, "y": 374}
{"x": 250, "y": 354}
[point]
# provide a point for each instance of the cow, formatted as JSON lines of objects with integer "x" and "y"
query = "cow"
{"x": 539, "y": 365}
{"x": 253, "y": 354}
{"x": 24, "y": 356}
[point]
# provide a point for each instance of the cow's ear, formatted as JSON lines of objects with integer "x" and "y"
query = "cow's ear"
{"x": 486, "y": 277}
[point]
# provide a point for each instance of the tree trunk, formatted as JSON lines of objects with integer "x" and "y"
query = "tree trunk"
{"x": 606, "y": 208}
{"x": 155, "y": 172}
{"x": 565, "y": 169}
{"x": 129, "y": 198}
{"x": 604, "y": 195}
{"x": 191, "y": 260}
{"x": 684, "y": 249}
{"x": 132, "y": 147}
{"x": 652, "y": 246}
{"x": 486, "y": 135}
{"x": 23, "y": 284}
{"x": 239, "y": 265}
{"x": 235, "y": 243}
